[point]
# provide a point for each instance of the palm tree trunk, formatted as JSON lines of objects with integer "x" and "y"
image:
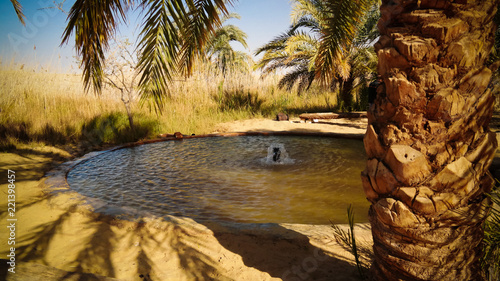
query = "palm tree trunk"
{"x": 428, "y": 140}
{"x": 346, "y": 94}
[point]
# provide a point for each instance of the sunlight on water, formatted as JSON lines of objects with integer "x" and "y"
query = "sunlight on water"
{"x": 232, "y": 179}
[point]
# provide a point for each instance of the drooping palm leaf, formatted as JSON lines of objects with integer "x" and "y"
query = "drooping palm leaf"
{"x": 276, "y": 44}
{"x": 302, "y": 46}
{"x": 293, "y": 51}
{"x": 341, "y": 21}
{"x": 203, "y": 20}
{"x": 174, "y": 34}
{"x": 94, "y": 23}
{"x": 219, "y": 49}
{"x": 307, "y": 22}
{"x": 300, "y": 75}
{"x": 158, "y": 49}
{"x": 368, "y": 32}
{"x": 312, "y": 10}
{"x": 19, "y": 11}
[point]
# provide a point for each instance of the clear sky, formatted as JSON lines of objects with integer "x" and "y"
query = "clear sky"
{"x": 37, "y": 44}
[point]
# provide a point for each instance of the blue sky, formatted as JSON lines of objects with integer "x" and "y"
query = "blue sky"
{"x": 38, "y": 42}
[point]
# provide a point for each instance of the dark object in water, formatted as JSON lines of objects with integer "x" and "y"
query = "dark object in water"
{"x": 281, "y": 117}
{"x": 276, "y": 154}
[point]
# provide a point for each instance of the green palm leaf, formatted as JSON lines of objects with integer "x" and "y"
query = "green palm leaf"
{"x": 158, "y": 49}
{"x": 202, "y": 21}
{"x": 94, "y": 23}
{"x": 174, "y": 34}
{"x": 220, "y": 51}
{"x": 341, "y": 21}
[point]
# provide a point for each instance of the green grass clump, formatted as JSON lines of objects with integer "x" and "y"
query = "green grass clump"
{"x": 491, "y": 242}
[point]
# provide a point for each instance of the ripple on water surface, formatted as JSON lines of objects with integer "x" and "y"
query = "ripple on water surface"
{"x": 231, "y": 179}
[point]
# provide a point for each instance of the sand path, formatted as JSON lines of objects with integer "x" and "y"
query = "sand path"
{"x": 345, "y": 126}
{"x": 59, "y": 238}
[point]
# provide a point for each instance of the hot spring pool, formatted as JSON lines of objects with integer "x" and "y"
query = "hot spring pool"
{"x": 232, "y": 179}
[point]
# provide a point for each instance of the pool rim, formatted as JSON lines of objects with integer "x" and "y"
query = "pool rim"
{"x": 56, "y": 180}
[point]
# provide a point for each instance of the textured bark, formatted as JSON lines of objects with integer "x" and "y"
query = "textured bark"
{"x": 428, "y": 139}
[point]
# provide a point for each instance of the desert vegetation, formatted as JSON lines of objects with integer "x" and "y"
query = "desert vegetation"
{"x": 40, "y": 107}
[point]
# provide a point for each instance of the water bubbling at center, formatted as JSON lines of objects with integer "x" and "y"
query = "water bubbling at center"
{"x": 277, "y": 154}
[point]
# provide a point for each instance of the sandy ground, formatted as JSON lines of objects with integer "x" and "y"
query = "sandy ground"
{"x": 344, "y": 126}
{"x": 58, "y": 237}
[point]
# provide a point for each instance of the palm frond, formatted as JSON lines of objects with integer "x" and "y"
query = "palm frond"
{"x": 302, "y": 46}
{"x": 230, "y": 16}
{"x": 19, "y": 11}
{"x": 301, "y": 76}
{"x": 158, "y": 48}
{"x": 94, "y": 23}
{"x": 364, "y": 62}
{"x": 173, "y": 35}
{"x": 368, "y": 32}
{"x": 276, "y": 44}
{"x": 272, "y": 62}
{"x": 220, "y": 52}
{"x": 224, "y": 36}
{"x": 203, "y": 19}
{"x": 341, "y": 21}
{"x": 307, "y": 9}
{"x": 308, "y": 22}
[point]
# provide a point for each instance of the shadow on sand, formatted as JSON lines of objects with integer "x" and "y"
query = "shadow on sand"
{"x": 177, "y": 249}
{"x": 284, "y": 253}
{"x": 61, "y": 239}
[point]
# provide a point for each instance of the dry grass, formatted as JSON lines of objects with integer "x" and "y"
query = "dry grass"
{"x": 54, "y": 109}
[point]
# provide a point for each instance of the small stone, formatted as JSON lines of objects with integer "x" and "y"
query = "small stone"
{"x": 282, "y": 117}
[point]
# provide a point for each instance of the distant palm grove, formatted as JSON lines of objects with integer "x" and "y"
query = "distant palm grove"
{"x": 329, "y": 41}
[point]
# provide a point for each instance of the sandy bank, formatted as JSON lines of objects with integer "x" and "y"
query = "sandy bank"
{"x": 345, "y": 126}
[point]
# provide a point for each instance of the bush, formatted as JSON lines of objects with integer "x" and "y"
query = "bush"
{"x": 491, "y": 242}
{"x": 113, "y": 128}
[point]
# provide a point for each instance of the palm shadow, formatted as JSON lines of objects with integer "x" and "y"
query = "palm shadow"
{"x": 271, "y": 248}
{"x": 283, "y": 253}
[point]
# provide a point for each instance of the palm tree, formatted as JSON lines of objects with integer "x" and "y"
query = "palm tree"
{"x": 428, "y": 140}
{"x": 221, "y": 53}
{"x": 293, "y": 51}
{"x": 308, "y": 55}
{"x": 173, "y": 37}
